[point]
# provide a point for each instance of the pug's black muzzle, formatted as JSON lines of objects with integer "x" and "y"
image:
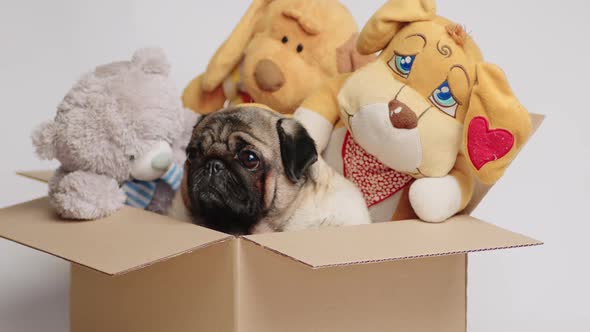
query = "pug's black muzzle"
{"x": 221, "y": 198}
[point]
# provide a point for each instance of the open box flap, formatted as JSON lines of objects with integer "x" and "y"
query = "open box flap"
{"x": 129, "y": 240}
{"x": 43, "y": 176}
{"x": 408, "y": 239}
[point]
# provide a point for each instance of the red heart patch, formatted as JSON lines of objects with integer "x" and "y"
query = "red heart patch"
{"x": 486, "y": 145}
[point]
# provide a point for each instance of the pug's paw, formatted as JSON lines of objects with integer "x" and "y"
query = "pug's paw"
{"x": 86, "y": 196}
{"x": 435, "y": 199}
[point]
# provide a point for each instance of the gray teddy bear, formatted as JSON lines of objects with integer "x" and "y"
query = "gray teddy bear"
{"x": 120, "y": 135}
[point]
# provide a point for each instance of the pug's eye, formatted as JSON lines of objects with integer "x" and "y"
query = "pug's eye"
{"x": 249, "y": 159}
{"x": 299, "y": 48}
{"x": 191, "y": 154}
{"x": 443, "y": 98}
{"x": 285, "y": 40}
{"x": 402, "y": 64}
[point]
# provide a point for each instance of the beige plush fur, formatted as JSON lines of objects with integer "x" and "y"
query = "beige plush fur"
{"x": 280, "y": 51}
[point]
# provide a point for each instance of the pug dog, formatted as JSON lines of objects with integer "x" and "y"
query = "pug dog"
{"x": 250, "y": 170}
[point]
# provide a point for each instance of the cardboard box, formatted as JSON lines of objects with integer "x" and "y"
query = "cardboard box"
{"x": 138, "y": 271}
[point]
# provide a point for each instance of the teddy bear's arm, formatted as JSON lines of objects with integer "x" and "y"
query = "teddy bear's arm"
{"x": 437, "y": 199}
{"x": 321, "y": 111}
{"x": 82, "y": 195}
{"x": 201, "y": 101}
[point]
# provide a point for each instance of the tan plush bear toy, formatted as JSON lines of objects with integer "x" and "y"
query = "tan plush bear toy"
{"x": 279, "y": 52}
{"x": 417, "y": 127}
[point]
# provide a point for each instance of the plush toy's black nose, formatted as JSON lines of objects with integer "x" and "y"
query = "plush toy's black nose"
{"x": 214, "y": 166}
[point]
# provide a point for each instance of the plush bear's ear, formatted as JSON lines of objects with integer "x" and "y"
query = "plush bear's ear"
{"x": 348, "y": 57}
{"x": 152, "y": 61}
{"x": 43, "y": 138}
{"x": 230, "y": 53}
{"x": 298, "y": 150}
{"x": 496, "y": 124}
{"x": 389, "y": 19}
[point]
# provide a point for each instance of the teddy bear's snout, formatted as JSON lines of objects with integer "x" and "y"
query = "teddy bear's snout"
{"x": 162, "y": 161}
{"x": 268, "y": 76}
{"x": 401, "y": 116}
{"x": 154, "y": 163}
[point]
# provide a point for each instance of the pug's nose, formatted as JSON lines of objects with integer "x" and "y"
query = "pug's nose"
{"x": 268, "y": 76}
{"x": 214, "y": 166}
{"x": 401, "y": 116}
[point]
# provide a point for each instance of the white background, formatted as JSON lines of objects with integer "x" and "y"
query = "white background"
{"x": 542, "y": 45}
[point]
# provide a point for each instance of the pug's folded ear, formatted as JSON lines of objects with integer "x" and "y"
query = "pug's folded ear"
{"x": 298, "y": 151}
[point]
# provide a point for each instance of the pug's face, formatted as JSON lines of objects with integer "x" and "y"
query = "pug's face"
{"x": 245, "y": 164}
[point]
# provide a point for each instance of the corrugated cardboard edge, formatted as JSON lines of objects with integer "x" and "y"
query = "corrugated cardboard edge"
{"x": 279, "y": 253}
{"x": 41, "y": 175}
{"x": 386, "y": 260}
{"x": 135, "y": 268}
{"x": 466, "y": 290}
{"x": 188, "y": 251}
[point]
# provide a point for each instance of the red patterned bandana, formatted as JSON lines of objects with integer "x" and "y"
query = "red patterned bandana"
{"x": 246, "y": 98}
{"x": 376, "y": 181}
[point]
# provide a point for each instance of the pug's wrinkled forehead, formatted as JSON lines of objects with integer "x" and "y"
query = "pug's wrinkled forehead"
{"x": 238, "y": 125}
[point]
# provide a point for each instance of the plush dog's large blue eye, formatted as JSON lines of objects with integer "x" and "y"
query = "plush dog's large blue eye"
{"x": 442, "y": 98}
{"x": 402, "y": 64}
{"x": 443, "y": 95}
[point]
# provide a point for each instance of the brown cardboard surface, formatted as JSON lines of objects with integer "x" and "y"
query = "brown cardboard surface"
{"x": 189, "y": 293}
{"x": 406, "y": 239}
{"x": 128, "y": 240}
{"x": 276, "y": 294}
{"x": 43, "y": 176}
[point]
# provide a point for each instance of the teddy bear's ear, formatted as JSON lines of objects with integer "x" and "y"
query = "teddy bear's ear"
{"x": 387, "y": 21}
{"x": 152, "y": 61}
{"x": 230, "y": 53}
{"x": 496, "y": 124}
{"x": 43, "y": 138}
{"x": 348, "y": 57}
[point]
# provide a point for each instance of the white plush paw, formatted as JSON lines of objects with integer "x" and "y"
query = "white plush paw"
{"x": 435, "y": 199}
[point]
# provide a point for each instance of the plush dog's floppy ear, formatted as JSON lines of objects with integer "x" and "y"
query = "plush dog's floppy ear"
{"x": 496, "y": 124}
{"x": 348, "y": 57}
{"x": 389, "y": 19}
{"x": 298, "y": 150}
{"x": 230, "y": 53}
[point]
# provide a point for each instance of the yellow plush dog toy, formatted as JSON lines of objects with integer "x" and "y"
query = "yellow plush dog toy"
{"x": 280, "y": 51}
{"x": 417, "y": 127}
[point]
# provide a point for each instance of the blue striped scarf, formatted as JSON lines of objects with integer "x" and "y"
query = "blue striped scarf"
{"x": 140, "y": 193}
